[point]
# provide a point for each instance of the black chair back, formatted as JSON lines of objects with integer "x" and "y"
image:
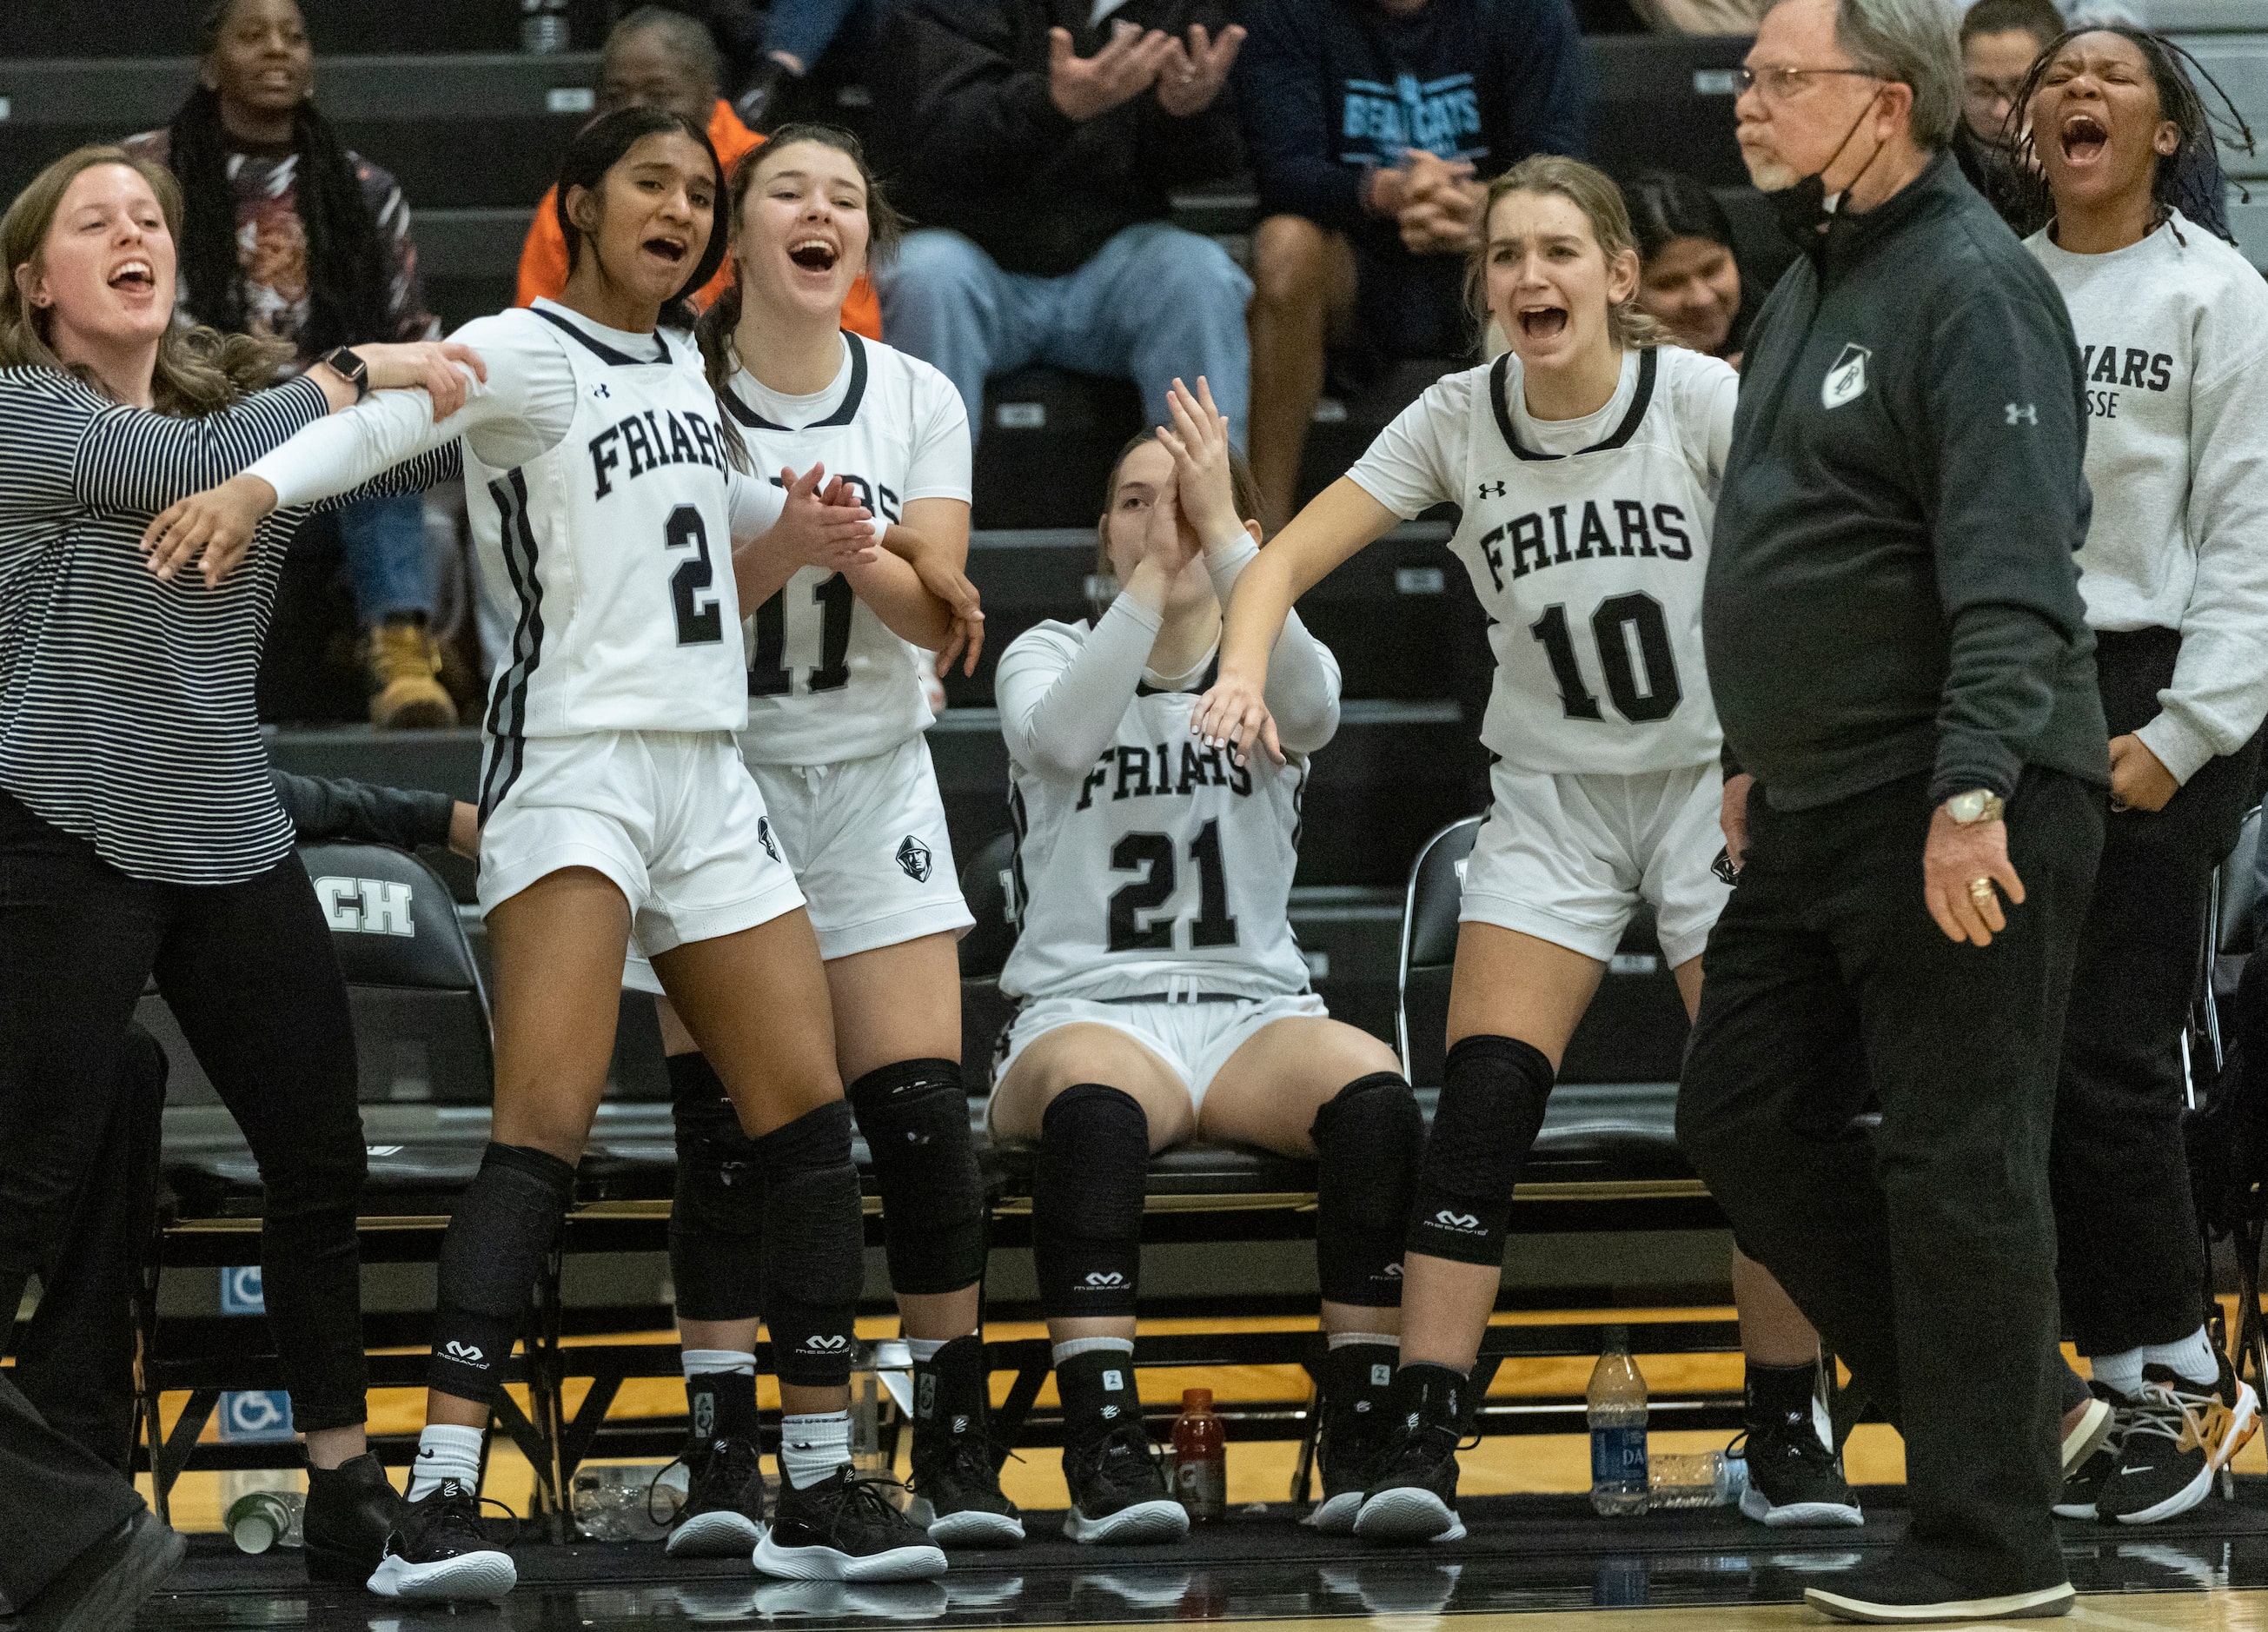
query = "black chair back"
{"x": 1429, "y": 948}
{"x": 988, "y": 884}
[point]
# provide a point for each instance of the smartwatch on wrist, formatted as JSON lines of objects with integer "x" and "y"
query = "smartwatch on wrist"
{"x": 350, "y": 368}
{"x": 1978, "y": 805}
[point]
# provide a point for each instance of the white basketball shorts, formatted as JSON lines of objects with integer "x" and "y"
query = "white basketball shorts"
{"x": 1193, "y": 1039}
{"x": 671, "y": 816}
{"x": 1566, "y": 856}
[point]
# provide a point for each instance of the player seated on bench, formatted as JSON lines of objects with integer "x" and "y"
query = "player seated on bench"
{"x": 1162, "y": 996}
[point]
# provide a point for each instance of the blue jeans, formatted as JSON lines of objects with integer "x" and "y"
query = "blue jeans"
{"x": 1156, "y": 302}
{"x": 384, "y": 542}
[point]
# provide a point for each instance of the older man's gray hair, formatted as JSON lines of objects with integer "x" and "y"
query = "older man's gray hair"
{"x": 1912, "y": 43}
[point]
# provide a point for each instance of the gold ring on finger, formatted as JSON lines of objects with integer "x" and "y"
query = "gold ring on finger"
{"x": 1980, "y": 891}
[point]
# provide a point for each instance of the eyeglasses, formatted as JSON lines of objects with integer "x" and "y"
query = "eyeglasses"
{"x": 1778, "y": 85}
{"x": 1984, "y": 90}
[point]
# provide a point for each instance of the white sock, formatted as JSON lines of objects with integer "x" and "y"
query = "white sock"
{"x": 1092, "y": 1346}
{"x": 2122, "y": 1371}
{"x": 925, "y": 1349}
{"x": 700, "y": 1360}
{"x": 1344, "y": 1340}
{"x": 812, "y": 1447}
{"x": 2192, "y": 1359}
{"x": 445, "y": 1452}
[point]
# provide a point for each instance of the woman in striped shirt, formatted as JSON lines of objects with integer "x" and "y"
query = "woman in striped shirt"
{"x": 138, "y": 831}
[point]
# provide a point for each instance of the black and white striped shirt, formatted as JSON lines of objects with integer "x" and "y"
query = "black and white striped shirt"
{"x": 126, "y": 713}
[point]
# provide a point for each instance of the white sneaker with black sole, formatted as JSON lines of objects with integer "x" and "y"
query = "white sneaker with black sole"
{"x": 439, "y": 1553}
{"x": 844, "y": 1528}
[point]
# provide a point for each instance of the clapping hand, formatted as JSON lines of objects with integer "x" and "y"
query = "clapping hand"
{"x": 826, "y": 527}
{"x": 1193, "y": 75}
{"x": 1198, "y": 441}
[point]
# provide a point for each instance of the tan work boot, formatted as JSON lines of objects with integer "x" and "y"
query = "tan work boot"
{"x": 405, "y": 665}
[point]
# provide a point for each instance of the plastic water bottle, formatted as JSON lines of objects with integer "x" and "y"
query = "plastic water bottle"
{"x": 1617, "y": 1398}
{"x": 266, "y": 1518}
{"x": 626, "y": 1501}
{"x": 1200, "y": 1457}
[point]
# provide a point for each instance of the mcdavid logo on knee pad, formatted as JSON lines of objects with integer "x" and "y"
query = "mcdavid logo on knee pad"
{"x": 1465, "y": 1224}
{"x": 466, "y": 1353}
{"x": 833, "y": 1343}
{"x": 1103, "y": 1279}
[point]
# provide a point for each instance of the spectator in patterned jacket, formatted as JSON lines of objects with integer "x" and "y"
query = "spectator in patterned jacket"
{"x": 291, "y": 234}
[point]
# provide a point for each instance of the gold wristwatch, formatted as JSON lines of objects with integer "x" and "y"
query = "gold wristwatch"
{"x": 1978, "y": 805}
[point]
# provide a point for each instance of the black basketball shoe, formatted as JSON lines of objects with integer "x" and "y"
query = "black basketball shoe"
{"x": 1795, "y": 1478}
{"x": 956, "y": 1474}
{"x": 1357, "y": 1423}
{"x": 1898, "y": 1590}
{"x": 440, "y": 1554}
{"x": 724, "y": 1511}
{"x": 1414, "y": 1497}
{"x": 1117, "y": 1480}
{"x": 351, "y": 1508}
{"x": 2180, "y": 1435}
{"x": 844, "y": 1528}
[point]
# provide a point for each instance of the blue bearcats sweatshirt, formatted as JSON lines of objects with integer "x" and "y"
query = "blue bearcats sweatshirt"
{"x": 1330, "y": 88}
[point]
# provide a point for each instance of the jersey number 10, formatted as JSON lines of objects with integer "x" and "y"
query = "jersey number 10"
{"x": 821, "y": 621}
{"x": 1621, "y": 621}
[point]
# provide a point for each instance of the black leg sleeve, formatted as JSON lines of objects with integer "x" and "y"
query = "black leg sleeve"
{"x": 717, "y": 1223}
{"x": 915, "y": 1117}
{"x": 1369, "y": 1141}
{"x": 490, "y": 1260}
{"x": 1087, "y": 1201}
{"x": 1493, "y": 1091}
{"x": 814, "y": 1246}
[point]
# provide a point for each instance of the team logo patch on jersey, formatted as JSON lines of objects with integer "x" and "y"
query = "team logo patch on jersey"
{"x": 764, "y": 837}
{"x": 914, "y": 857}
{"x": 1846, "y": 381}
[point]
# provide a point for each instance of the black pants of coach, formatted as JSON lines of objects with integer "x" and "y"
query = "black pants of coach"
{"x": 1925, "y": 1250}
{"x": 248, "y": 972}
{"x": 2129, "y": 1261}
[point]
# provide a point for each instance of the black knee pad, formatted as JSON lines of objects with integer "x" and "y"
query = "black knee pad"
{"x": 490, "y": 1260}
{"x": 814, "y": 1246}
{"x": 1087, "y": 1201}
{"x": 915, "y": 1116}
{"x": 1493, "y": 1091}
{"x": 717, "y": 1218}
{"x": 1369, "y": 1140}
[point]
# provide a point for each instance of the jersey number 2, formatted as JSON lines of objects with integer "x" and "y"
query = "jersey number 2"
{"x": 699, "y": 620}
{"x": 1620, "y": 621}
{"x": 1153, "y": 853}
{"x": 770, "y": 673}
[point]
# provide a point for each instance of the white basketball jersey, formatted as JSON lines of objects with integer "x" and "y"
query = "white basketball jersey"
{"x": 1589, "y": 565}
{"x": 615, "y": 549}
{"x": 1168, "y": 866}
{"x": 827, "y": 680}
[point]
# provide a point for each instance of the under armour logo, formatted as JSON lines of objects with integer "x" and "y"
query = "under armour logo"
{"x": 1105, "y": 1277}
{"x": 914, "y": 857}
{"x": 764, "y": 837}
{"x": 456, "y": 1350}
{"x": 2027, "y": 414}
{"x": 599, "y": 390}
{"x": 1491, "y": 490}
{"x": 830, "y": 1343}
{"x": 1448, "y": 1220}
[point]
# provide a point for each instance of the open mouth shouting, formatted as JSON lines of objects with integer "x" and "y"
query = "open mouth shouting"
{"x": 134, "y": 275}
{"x": 1542, "y": 322}
{"x": 813, "y": 254}
{"x": 2083, "y": 137}
{"x": 664, "y": 247}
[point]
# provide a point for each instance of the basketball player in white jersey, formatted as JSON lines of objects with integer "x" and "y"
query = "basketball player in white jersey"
{"x": 1585, "y": 460}
{"x": 1162, "y": 996}
{"x": 834, "y": 740}
{"x": 614, "y": 802}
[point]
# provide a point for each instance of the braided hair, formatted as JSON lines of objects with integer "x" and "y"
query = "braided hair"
{"x": 346, "y": 269}
{"x": 2190, "y": 179}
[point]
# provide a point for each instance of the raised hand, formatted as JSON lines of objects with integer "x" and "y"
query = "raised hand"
{"x": 1083, "y": 87}
{"x": 1193, "y": 74}
{"x": 211, "y": 530}
{"x": 1198, "y": 441}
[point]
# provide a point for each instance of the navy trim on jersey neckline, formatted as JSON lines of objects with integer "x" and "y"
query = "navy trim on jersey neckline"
{"x": 1641, "y": 399}
{"x": 1143, "y": 688}
{"x": 845, "y": 413}
{"x": 605, "y": 352}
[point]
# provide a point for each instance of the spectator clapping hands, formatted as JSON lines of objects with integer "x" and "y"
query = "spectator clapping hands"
{"x": 1188, "y": 75}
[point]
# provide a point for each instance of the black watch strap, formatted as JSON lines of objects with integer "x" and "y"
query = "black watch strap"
{"x": 350, "y": 368}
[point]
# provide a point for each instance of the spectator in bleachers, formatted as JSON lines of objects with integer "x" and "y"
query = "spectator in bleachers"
{"x": 795, "y": 34}
{"x": 1038, "y": 142}
{"x": 1701, "y": 17}
{"x": 1689, "y": 279}
{"x": 1999, "y": 40}
{"x": 1375, "y": 126}
{"x": 291, "y": 234}
{"x": 656, "y": 57}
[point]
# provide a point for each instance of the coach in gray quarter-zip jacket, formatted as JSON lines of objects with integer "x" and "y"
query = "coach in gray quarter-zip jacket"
{"x": 1898, "y": 651}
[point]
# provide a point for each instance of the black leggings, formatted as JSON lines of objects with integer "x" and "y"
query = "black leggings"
{"x": 248, "y": 971}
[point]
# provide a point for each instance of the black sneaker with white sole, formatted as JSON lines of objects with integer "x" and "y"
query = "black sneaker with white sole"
{"x": 1357, "y": 1423}
{"x": 956, "y": 1472}
{"x": 1414, "y": 1495}
{"x": 724, "y": 1511}
{"x": 351, "y": 1508}
{"x": 2181, "y": 1434}
{"x": 2088, "y": 1467}
{"x": 1117, "y": 1480}
{"x": 439, "y": 1553}
{"x": 1795, "y": 1478}
{"x": 845, "y": 1528}
{"x": 1898, "y": 1590}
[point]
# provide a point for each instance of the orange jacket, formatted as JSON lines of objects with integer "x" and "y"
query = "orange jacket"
{"x": 544, "y": 260}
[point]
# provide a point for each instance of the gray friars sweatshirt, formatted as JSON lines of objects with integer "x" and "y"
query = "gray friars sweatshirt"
{"x": 1891, "y": 587}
